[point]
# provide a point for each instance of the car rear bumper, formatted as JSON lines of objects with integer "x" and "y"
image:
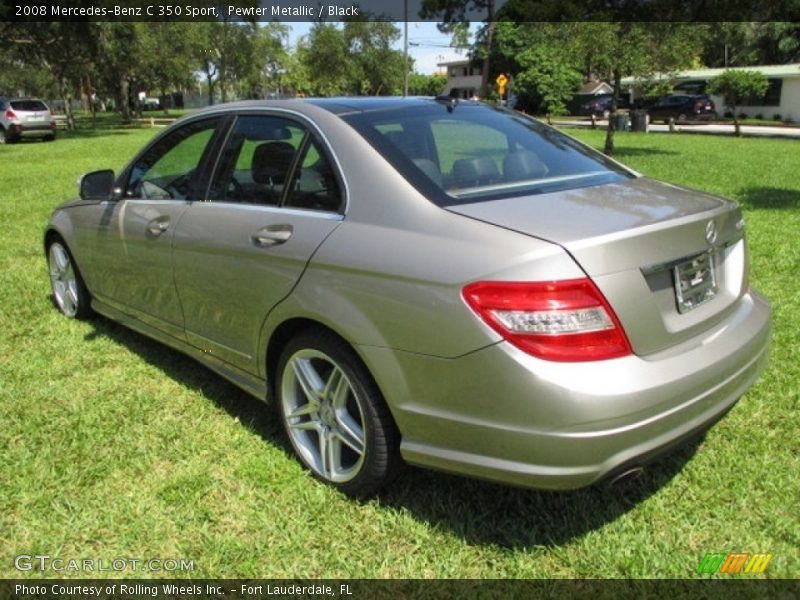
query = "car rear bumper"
{"x": 30, "y": 131}
{"x": 503, "y": 415}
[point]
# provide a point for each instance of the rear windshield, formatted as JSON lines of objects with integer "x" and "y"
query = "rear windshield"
{"x": 474, "y": 152}
{"x": 28, "y": 105}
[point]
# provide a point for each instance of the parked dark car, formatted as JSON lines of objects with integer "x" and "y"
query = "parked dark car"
{"x": 599, "y": 105}
{"x": 682, "y": 108}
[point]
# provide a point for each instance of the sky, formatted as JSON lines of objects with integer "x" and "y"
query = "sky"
{"x": 426, "y": 45}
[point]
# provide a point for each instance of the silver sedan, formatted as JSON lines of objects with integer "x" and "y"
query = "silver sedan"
{"x": 426, "y": 281}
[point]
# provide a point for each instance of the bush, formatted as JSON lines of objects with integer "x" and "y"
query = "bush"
{"x": 776, "y": 117}
{"x": 742, "y": 115}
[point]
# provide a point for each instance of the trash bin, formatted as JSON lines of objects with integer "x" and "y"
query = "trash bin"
{"x": 639, "y": 120}
{"x": 622, "y": 122}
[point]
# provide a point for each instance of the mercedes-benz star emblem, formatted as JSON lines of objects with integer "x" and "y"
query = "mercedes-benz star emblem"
{"x": 711, "y": 232}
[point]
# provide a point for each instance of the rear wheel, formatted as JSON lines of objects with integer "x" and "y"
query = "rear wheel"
{"x": 3, "y": 138}
{"x": 681, "y": 118}
{"x": 334, "y": 414}
{"x": 69, "y": 292}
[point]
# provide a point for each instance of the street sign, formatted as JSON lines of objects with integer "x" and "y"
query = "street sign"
{"x": 501, "y": 82}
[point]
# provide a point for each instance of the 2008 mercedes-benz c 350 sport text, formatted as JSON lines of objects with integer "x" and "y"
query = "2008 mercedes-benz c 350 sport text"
{"x": 424, "y": 280}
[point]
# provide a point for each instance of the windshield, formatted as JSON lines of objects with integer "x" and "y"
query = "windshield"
{"x": 474, "y": 152}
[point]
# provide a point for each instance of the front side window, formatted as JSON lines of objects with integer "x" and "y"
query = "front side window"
{"x": 469, "y": 152}
{"x": 275, "y": 161}
{"x": 168, "y": 169}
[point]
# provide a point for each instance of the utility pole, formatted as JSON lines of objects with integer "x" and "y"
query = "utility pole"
{"x": 405, "y": 49}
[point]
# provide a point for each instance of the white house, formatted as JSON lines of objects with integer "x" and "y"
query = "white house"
{"x": 781, "y": 100}
{"x": 463, "y": 79}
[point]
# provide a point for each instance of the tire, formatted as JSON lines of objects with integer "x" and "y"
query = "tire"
{"x": 681, "y": 118}
{"x": 69, "y": 292}
{"x": 334, "y": 415}
{"x": 606, "y": 114}
{"x": 3, "y": 139}
{"x": 49, "y": 138}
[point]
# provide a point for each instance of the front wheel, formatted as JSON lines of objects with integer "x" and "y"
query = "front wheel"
{"x": 334, "y": 414}
{"x": 69, "y": 292}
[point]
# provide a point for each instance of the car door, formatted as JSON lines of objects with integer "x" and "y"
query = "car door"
{"x": 273, "y": 200}
{"x": 133, "y": 247}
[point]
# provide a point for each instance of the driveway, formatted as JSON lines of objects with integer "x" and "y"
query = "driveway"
{"x": 708, "y": 128}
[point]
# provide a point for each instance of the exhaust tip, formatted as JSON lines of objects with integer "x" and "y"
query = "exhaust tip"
{"x": 626, "y": 476}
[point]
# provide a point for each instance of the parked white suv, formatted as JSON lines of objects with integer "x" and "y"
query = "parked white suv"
{"x": 25, "y": 118}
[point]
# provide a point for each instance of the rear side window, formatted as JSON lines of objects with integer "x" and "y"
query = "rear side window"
{"x": 275, "y": 161}
{"x": 473, "y": 152}
{"x": 28, "y": 105}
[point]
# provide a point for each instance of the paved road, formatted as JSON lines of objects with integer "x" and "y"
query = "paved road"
{"x": 710, "y": 128}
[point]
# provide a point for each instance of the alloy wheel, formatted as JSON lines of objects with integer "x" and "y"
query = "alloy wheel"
{"x": 324, "y": 416}
{"x": 64, "y": 280}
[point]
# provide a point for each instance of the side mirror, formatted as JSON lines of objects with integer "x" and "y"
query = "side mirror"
{"x": 97, "y": 185}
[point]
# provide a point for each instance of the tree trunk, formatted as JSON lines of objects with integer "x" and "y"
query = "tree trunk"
{"x": 67, "y": 98}
{"x": 612, "y": 117}
{"x": 125, "y": 100}
{"x": 737, "y": 129}
{"x": 487, "y": 60}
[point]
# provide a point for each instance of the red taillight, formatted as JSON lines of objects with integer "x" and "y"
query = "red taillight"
{"x": 10, "y": 114}
{"x": 566, "y": 321}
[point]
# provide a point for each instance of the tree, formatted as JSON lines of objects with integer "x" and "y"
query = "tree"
{"x": 454, "y": 12}
{"x": 544, "y": 61}
{"x": 167, "y": 71}
{"x": 426, "y": 85}
{"x": 118, "y": 61}
{"x": 638, "y": 50}
{"x": 355, "y": 59}
{"x": 736, "y": 87}
{"x": 741, "y": 44}
{"x": 63, "y": 49}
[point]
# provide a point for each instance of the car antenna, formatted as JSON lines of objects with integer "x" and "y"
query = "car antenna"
{"x": 449, "y": 101}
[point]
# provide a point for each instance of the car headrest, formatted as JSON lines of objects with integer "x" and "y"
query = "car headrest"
{"x": 523, "y": 165}
{"x": 271, "y": 162}
{"x": 472, "y": 172}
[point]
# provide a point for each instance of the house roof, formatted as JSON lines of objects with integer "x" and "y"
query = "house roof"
{"x": 789, "y": 70}
{"x": 454, "y": 63}
{"x": 595, "y": 87}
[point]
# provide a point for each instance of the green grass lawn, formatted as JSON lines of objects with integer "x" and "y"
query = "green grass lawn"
{"x": 113, "y": 446}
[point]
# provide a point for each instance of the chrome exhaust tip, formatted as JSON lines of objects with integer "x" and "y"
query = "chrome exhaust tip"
{"x": 626, "y": 476}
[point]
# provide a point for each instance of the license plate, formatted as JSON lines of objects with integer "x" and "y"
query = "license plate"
{"x": 695, "y": 282}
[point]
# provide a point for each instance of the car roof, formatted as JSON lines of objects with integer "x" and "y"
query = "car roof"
{"x": 337, "y": 105}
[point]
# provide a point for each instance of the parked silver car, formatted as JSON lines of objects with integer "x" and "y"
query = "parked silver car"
{"x": 25, "y": 118}
{"x": 454, "y": 285}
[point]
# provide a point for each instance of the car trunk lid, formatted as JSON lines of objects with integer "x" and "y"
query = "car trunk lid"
{"x": 671, "y": 261}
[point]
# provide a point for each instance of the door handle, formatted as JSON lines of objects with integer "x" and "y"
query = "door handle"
{"x": 158, "y": 226}
{"x": 272, "y": 235}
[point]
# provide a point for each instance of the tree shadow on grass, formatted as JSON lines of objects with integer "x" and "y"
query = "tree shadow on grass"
{"x": 478, "y": 512}
{"x": 84, "y": 133}
{"x": 621, "y": 152}
{"x": 769, "y": 197}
